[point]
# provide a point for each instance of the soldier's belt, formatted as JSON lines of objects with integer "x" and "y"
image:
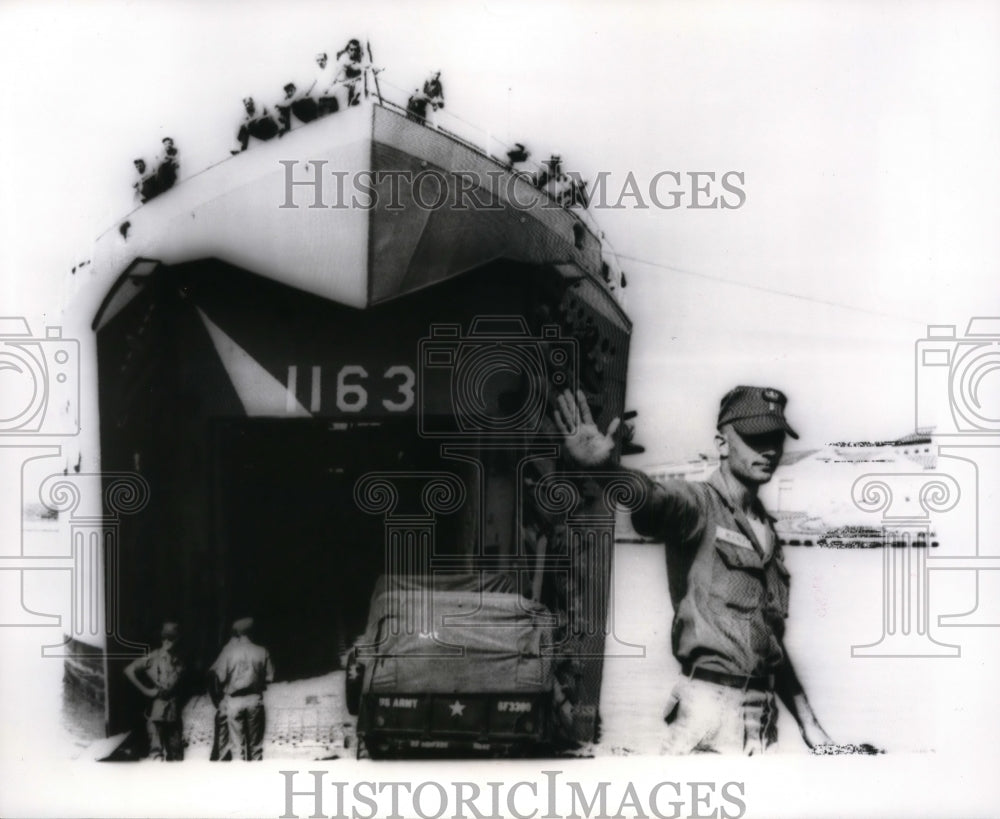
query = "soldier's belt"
{"x": 244, "y": 692}
{"x": 744, "y": 682}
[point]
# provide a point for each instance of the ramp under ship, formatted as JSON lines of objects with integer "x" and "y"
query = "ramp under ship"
{"x": 270, "y": 335}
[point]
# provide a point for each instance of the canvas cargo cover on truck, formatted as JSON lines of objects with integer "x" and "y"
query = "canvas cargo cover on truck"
{"x": 457, "y": 641}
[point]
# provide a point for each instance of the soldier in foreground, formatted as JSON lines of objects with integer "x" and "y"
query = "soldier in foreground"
{"x": 728, "y": 582}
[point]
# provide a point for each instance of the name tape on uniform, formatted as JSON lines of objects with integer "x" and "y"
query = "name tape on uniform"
{"x": 736, "y": 538}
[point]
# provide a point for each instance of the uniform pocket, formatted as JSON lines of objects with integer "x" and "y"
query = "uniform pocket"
{"x": 737, "y": 580}
{"x": 779, "y": 582}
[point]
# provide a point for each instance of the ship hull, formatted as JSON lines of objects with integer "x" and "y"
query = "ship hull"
{"x": 356, "y": 208}
{"x": 253, "y": 364}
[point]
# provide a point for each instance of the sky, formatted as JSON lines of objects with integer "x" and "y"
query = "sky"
{"x": 865, "y": 134}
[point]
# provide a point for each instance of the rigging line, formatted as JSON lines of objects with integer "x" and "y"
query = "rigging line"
{"x": 772, "y": 290}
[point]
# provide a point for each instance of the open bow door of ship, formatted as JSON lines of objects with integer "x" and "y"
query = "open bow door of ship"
{"x": 298, "y": 449}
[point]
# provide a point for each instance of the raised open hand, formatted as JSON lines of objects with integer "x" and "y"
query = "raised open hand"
{"x": 585, "y": 443}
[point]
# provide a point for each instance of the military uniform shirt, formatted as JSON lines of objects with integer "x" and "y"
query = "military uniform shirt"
{"x": 164, "y": 670}
{"x": 729, "y": 593}
{"x": 243, "y": 667}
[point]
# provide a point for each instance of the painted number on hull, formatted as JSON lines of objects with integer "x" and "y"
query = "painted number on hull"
{"x": 353, "y": 385}
{"x": 351, "y": 397}
{"x": 404, "y": 386}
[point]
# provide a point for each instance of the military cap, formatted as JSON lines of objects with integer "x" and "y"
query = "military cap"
{"x": 170, "y": 631}
{"x": 754, "y": 411}
{"x": 242, "y": 626}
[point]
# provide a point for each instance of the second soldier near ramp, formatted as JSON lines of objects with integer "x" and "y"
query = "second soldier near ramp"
{"x": 728, "y": 583}
{"x": 238, "y": 679}
{"x": 158, "y": 675}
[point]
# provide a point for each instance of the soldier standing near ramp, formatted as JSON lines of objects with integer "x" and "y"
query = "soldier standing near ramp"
{"x": 162, "y": 670}
{"x": 239, "y": 677}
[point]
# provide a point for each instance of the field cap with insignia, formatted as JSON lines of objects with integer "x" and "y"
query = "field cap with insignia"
{"x": 754, "y": 411}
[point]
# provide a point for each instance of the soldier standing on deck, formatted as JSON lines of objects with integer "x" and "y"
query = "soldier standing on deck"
{"x": 434, "y": 91}
{"x": 416, "y": 106}
{"x": 168, "y": 166}
{"x": 145, "y": 184}
{"x": 284, "y": 108}
{"x": 349, "y": 71}
{"x": 322, "y": 87}
{"x": 238, "y": 678}
{"x": 728, "y": 582}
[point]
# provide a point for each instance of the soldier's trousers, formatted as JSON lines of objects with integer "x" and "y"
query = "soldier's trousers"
{"x": 705, "y": 717}
{"x": 165, "y": 740}
{"x": 244, "y": 717}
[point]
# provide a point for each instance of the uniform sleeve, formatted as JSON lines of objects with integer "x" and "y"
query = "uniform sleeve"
{"x": 137, "y": 664}
{"x": 671, "y": 511}
{"x": 268, "y": 668}
{"x": 218, "y": 668}
{"x": 342, "y": 65}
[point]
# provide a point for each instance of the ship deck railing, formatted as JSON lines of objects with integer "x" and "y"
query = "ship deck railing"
{"x": 483, "y": 143}
{"x": 476, "y": 139}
